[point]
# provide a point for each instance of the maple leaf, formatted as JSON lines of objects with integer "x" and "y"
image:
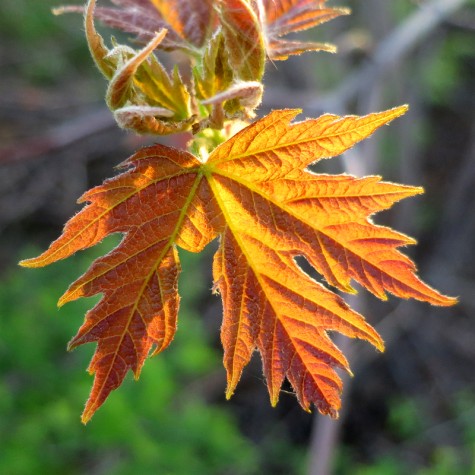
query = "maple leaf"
{"x": 188, "y": 21}
{"x": 256, "y": 193}
{"x": 282, "y": 17}
{"x": 192, "y": 23}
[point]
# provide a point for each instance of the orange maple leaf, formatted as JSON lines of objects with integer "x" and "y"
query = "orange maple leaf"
{"x": 256, "y": 193}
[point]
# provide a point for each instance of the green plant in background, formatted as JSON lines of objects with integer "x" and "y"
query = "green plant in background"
{"x": 410, "y": 431}
{"x": 177, "y": 431}
{"x": 24, "y": 23}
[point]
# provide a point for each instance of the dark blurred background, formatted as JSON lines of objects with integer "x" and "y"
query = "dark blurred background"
{"x": 409, "y": 410}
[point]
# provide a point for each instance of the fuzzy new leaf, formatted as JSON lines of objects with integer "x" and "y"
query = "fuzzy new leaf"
{"x": 256, "y": 194}
{"x": 189, "y": 22}
{"x": 141, "y": 94}
{"x": 282, "y": 17}
{"x": 244, "y": 41}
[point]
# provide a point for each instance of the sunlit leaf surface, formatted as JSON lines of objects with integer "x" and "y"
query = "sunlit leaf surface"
{"x": 256, "y": 194}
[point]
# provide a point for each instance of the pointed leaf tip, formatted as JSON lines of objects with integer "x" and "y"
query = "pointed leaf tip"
{"x": 97, "y": 48}
{"x": 86, "y": 416}
{"x": 400, "y": 110}
{"x": 119, "y": 87}
{"x": 33, "y": 262}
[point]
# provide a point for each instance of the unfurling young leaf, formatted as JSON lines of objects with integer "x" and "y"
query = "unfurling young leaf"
{"x": 189, "y": 22}
{"x": 141, "y": 94}
{"x": 256, "y": 195}
{"x": 226, "y": 42}
{"x": 281, "y": 17}
{"x": 243, "y": 39}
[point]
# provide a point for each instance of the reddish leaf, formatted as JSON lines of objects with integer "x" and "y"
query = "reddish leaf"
{"x": 139, "y": 278}
{"x": 244, "y": 41}
{"x": 189, "y": 22}
{"x": 287, "y": 16}
{"x": 256, "y": 193}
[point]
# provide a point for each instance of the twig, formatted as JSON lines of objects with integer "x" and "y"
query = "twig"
{"x": 326, "y": 431}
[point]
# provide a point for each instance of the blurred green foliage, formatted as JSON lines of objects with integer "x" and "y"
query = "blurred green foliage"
{"x": 409, "y": 427}
{"x": 441, "y": 78}
{"x": 159, "y": 425}
{"x": 28, "y": 21}
{"x": 40, "y": 47}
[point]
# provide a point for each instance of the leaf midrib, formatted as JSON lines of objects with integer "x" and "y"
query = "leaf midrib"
{"x": 252, "y": 154}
